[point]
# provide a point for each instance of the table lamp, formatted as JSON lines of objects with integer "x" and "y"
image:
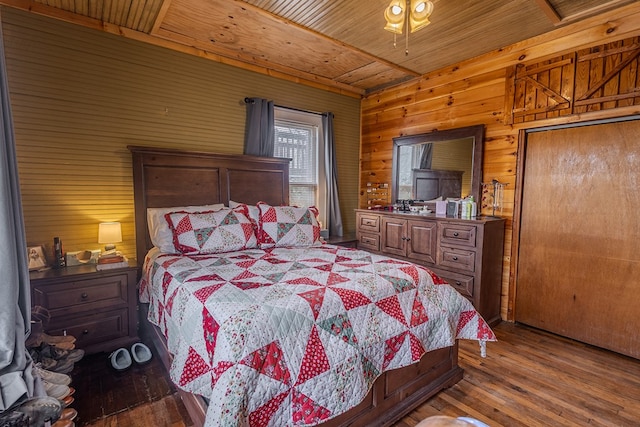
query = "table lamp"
{"x": 109, "y": 233}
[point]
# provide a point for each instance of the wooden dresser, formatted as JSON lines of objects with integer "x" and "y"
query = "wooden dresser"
{"x": 99, "y": 308}
{"x": 466, "y": 253}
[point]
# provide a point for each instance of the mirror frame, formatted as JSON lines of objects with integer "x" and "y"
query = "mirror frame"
{"x": 476, "y": 132}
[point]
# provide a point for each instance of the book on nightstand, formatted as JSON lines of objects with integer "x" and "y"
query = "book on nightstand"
{"x": 110, "y": 261}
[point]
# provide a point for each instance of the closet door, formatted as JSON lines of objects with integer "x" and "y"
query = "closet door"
{"x": 579, "y": 252}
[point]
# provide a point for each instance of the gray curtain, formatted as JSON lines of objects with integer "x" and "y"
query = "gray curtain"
{"x": 16, "y": 379}
{"x": 331, "y": 173}
{"x": 259, "y": 128}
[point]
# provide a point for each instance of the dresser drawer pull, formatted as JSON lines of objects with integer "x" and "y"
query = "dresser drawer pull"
{"x": 458, "y": 283}
{"x": 455, "y": 258}
{"x": 455, "y": 234}
{"x": 85, "y": 332}
{"x": 84, "y": 295}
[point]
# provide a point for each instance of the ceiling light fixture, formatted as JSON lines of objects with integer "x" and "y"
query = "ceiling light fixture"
{"x": 415, "y": 19}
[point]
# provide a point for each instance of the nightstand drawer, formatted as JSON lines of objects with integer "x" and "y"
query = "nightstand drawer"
{"x": 93, "y": 328}
{"x": 84, "y": 295}
{"x": 98, "y": 308}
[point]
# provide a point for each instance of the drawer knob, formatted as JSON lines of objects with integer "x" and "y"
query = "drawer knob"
{"x": 455, "y": 258}
{"x": 85, "y": 332}
{"x": 458, "y": 283}
{"x": 84, "y": 295}
{"x": 455, "y": 234}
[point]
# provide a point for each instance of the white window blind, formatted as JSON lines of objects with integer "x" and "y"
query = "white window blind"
{"x": 298, "y": 136}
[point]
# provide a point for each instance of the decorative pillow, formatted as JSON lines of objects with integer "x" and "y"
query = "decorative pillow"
{"x": 161, "y": 235}
{"x": 224, "y": 230}
{"x": 254, "y": 213}
{"x": 288, "y": 226}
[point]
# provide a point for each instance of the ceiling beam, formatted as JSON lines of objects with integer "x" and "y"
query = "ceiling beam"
{"x": 556, "y": 19}
{"x": 593, "y": 11}
{"x": 550, "y": 11}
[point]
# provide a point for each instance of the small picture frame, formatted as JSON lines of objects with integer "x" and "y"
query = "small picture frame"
{"x": 37, "y": 259}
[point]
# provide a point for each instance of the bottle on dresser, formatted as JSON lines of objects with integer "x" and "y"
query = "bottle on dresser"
{"x": 58, "y": 253}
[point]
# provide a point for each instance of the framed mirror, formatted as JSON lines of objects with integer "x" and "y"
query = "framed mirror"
{"x": 436, "y": 164}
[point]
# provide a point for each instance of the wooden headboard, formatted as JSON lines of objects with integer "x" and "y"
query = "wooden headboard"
{"x": 165, "y": 178}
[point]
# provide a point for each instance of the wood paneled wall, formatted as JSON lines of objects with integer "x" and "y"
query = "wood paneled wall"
{"x": 473, "y": 92}
{"x": 79, "y": 97}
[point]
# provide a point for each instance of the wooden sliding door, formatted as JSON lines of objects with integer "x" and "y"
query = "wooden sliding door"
{"x": 579, "y": 251}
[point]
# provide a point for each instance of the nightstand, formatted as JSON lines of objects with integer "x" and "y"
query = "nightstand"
{"x": 347, "y": 241}
{"x": 99, "y": 308}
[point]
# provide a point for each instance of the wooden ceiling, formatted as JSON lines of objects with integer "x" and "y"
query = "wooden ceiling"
{"x": 334, "y": 44}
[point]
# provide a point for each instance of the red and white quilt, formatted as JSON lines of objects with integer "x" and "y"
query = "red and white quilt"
{"x": 296, "y": 336}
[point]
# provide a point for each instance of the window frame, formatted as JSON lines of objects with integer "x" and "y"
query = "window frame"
{"x": 289, "y": 117}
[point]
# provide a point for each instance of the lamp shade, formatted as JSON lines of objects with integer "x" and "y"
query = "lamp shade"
{"x": 395, "y": 16}
{"x": 419, "y": 16}
{"x": 109, "y": 232}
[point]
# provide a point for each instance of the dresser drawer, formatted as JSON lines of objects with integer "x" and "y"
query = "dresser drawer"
{"x": 370, "y": 223}
{"x": 369, "y": 242}
{"x": 84, "y": 295}
{"x": 93, "y": 328}
{"x": 459, "y": 259}
{"x": 460, "y": 282}
{"x": 457, "y": 234}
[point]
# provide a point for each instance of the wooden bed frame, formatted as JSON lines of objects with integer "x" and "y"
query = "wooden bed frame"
{"x": 165, "y": 178}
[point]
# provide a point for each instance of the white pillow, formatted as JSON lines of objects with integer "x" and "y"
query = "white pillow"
{"x": 159, "y": 231}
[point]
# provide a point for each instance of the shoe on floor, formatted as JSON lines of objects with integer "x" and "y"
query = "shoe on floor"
{"x": 68, "y": 414}
{"x": 39, "y": 409}
{"x": 40, "y": 313}
{"x": 56, "y": 339}
{"x": 53, "y": 352}
{"x": 67, "y": 401}
{"x": 57, "y": 391}
{"x": 141, "y": 353}
{"x": 120, "y": 359}
{"x": 35, "y": 336}
{"x": 53, "y": 377}
{"x": 63, "y": 367}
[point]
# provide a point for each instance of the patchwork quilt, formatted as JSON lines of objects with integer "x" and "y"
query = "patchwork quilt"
{"x": 296, "y": 336}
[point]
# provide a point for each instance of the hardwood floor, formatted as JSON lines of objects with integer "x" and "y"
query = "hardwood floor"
{"x": 529, "y": 378}
{"x": 142, "y": 396}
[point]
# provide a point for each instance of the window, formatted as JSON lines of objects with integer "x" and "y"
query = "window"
{"x": 298, "y": 136}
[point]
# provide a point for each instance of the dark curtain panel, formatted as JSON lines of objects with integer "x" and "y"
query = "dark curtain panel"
{"x": 426, "y": 156}
{"x": 331, "y": 173}
{"x": 16, "y": 378}
{"x": 259, "y": 128}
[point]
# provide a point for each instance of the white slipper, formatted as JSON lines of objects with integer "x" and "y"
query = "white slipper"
{"x": 141, "y": 353}
{"x": 120, "y": 359}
